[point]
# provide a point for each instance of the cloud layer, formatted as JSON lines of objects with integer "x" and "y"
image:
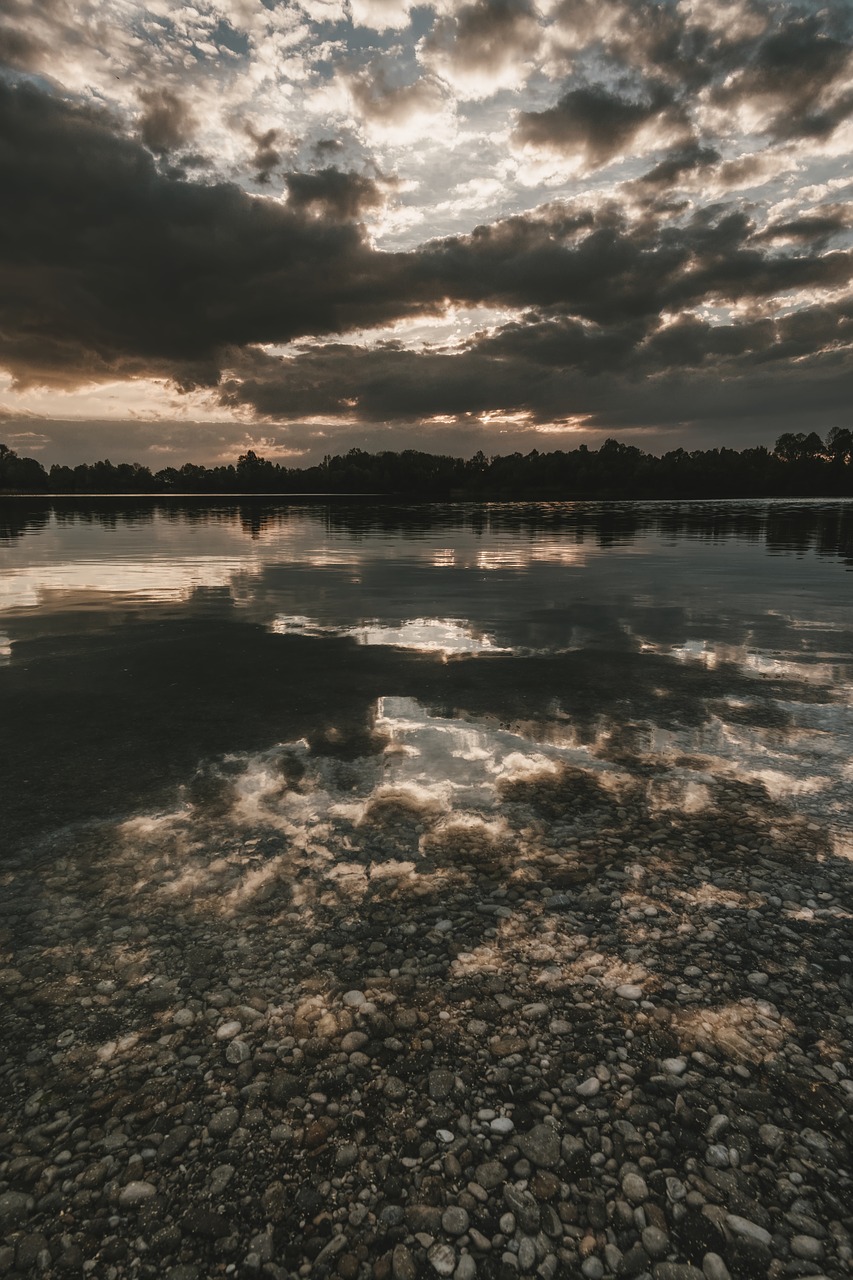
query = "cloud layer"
{"x": 620, "y": 215}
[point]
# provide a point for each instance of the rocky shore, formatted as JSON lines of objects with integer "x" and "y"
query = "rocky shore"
{"x": 597, "y": 1042}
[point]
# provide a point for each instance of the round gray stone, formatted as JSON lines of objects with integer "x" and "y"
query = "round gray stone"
{"x": 454, "y": 1221}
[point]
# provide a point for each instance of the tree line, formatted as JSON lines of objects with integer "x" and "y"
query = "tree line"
{"x": 799, "y": 465}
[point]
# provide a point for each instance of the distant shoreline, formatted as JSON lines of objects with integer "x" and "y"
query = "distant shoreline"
{"x": 798, "y": 465}
{"x": 410, "y": 500}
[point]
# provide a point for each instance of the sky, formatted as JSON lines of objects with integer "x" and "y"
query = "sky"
{"x": 474, "y": 224}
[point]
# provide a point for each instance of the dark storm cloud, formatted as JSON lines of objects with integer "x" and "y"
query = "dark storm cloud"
{"x": 595, "y": 123}
{"x": 109, "y": 268}
{"x": 701, "y": 378}
{"x": 543, "y": 366}
{"x": 167, "y": 122}
{"x": 614, "y": 273}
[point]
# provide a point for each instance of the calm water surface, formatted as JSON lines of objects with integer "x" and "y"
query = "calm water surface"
{"x": 288, "y": 667}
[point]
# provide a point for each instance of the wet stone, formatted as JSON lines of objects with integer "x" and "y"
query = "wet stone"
{"x": 14, "y": 1209}
{"x": 442, "y": 1259}
{"x": 466, "y": 1268}
{"x": 236, "y": 1052}
{"x": 677, "y": 1271}
{"x": 714, "y": 1268}
{"x": 403, "y": 1264}
{"x": 441, "y": 1084}
{"x": 746, "y": 1229}
{"x": 655, "y": 1242}
{"x": 136, "y": 1193}
{"x": 224, "y": 1122}
{"x": 491, "y": 1174}
{"x": 541, "y": 1146}
{"x": 454, "y": 1221}
{"x": 807, "y": 1247}
{"x": 527, "y": 1254}
{"x": 635, "y": 1188}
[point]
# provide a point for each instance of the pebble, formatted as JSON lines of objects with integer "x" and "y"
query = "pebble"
{"x": 807, "y": 1247}
{"x": 635, "y": 1188}
{"x": 135, "y": 1193}
{"x": 330, "y": 1079}
{"x": 220, "y": 1179}
{"x": 442, "y": 1259}
{"x": 771, "y": 1136}
{"x": 441, "y": 1084}
{"x": 466, "y": 1268}
{"x": 236, "y": 1052}
{"x": 354, "y": 1040}
{"x": 501, "y": 1125}
{"x": 541, "y": 1145}
{"x": 224, "y": 1122}
{"x": 227, "y": 1030}
{"x": 747, "y": 1230}
{"x": 455, "y": 1221}
{"x": 14, "y": 1209}
{"x": 403, "y": 1264}
{"x": 655, "y": 1242}
{"x": 677, "y": 1271}
{"x": 714, "y": 1268}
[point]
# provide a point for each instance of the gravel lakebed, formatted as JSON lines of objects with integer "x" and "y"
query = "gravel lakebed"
{"x": 591, "y": 1040}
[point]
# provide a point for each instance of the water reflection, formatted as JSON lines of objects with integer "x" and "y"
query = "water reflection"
{"x": 140, "y": 638}
{"x": 428, "y": 635}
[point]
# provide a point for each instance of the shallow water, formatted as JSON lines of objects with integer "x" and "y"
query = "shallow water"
{"x": 159, "y": 655}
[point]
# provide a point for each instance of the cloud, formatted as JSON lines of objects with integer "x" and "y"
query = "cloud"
{"x": 815, "y": 228}
{"x": 545, "y": 369}
{"x": 167, "y": 123}
{"x": 594, "y": 124}
{"x": 796, "y": 83}
{"x": 266, "y": 155}
{"x": 19, "y": 48}
{"x": 381, "y": 15}
{"x": 331, "y": 194}
{"x": 112, "y": 269}
{"x": 679, "y": 162}
{"x": 483, "y": 46}
{"x": 384, "y": 102}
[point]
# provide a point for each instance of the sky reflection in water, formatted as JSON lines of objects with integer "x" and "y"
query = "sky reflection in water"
{"x": 439, "y": 652}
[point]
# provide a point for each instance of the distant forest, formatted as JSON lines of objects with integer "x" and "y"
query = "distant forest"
{"x": 799, "y": 465}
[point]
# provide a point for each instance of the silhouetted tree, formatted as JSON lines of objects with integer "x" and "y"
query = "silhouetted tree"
{"x": 26, "y": 474}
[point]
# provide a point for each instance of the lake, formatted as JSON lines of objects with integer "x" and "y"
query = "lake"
{"x": 452, "y": 890}
{"x": 144, "y": 644}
